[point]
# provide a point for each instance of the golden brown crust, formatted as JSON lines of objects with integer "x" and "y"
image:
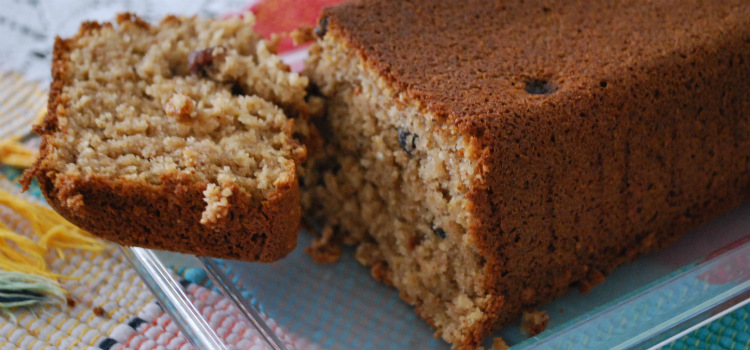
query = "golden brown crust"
{"x": 604, "y": 136}
{"x": 166, "y": 216}
{"x": 302, "y": 35}
{"x": 133, "y": 18}
{"x": 50, "y": 124}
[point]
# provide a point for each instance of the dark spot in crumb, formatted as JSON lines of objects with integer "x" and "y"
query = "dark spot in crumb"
{"x": 71, "y": 302}
{"x": 312, "y": 90}
{"x": 322, "y": 28}
{"x": 407, "y": 140}
{"x": 99, "y": 311}
{"x": 603, "y": 83}
{"x": 237, "y": 89}
{"x": 200, "y": 60}
{"x": 439, "y": 232}
{"x": 412, "y": 243}
{"x": 546, "y": 9}
{"x": 539, "y": 87}
{"x": 328, "y": 164}
{"x": 38, "y": 54}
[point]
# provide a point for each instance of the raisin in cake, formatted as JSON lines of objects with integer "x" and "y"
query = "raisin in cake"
{"x": 487, "y": 155}
{"x": 175, "y": 136}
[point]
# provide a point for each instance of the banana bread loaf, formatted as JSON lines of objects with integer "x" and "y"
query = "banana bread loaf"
{"x": 171, "y": 137}
{"x": 487, "y": 155}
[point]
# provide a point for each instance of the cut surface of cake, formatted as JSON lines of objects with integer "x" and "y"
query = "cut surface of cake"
{"x": 175, "y": 136}
{"x": 485, "y": 156}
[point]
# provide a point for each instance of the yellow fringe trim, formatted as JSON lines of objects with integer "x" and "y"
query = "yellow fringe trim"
{"x": 14, "y": 153}
{"x": 52, "y": 230}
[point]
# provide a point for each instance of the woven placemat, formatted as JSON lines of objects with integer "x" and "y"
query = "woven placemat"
{"x": 109, "y": 307}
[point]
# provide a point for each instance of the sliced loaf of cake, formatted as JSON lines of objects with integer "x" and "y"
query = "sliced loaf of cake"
{"x": 486, "y": 155}
{"x": 175, "y": 136}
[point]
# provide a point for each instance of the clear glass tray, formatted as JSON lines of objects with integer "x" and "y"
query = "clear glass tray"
{"x": 642, "y": 305}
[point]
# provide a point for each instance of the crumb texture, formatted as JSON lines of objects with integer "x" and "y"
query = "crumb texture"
{"x": 390, "y": 181}
{"x": 140, "y": 109}
{"x": 534, "y": 322}
{"x": 200, "y": 102}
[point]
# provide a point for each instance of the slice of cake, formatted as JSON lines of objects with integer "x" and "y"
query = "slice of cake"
{"x": 487, "y": 155}
{"x": 175, "y": 136}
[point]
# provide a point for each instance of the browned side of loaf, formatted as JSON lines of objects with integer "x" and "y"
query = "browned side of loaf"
{"x": 165, "y": 216}
{"x": 642, "y": 131}
{"x": 168, "y": 216}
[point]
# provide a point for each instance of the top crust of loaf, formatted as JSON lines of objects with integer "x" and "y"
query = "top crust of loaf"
{"x": 605, "y": 128}
{"x": 179, "y": 211}
{"x": 469, "y": 61}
